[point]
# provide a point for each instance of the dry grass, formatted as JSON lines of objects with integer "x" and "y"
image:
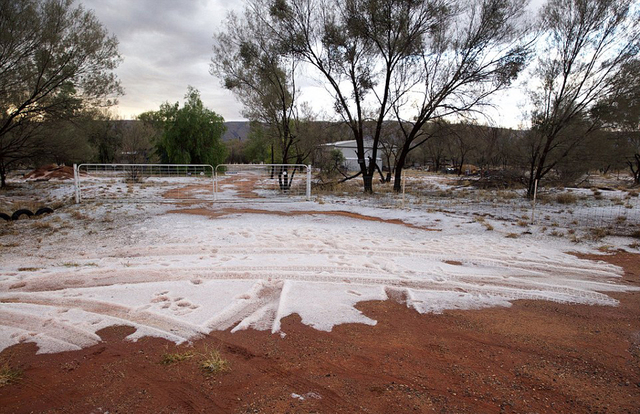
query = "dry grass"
{"x": 213, "y": 362}
{"x": 74, "y": 264}
{"x": 172, "y": 358}
{"x": 598, "y": 233}
{"x": 78, "y": 215}
{"x": 9, "y": 375}
{"x": 43, "y": 225}
{"x": 566, "y": 198}
{"x": 10, "y": 207}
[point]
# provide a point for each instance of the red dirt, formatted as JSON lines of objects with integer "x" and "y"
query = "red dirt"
{"x": 48, "y": 172}
{"x": 535, "y": 357}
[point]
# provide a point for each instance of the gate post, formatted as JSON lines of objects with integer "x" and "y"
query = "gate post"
{"x": 308, "y": 182}
{"x": 215, "y": 183}
{"x": 76, "y": 182}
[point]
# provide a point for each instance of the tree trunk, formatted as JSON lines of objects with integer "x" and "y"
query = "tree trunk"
{"x": 3, "y": 175}
{"x": 397, "y": 181}
{"x": 368, "y": 183}
{"x": 634, "y": 166}
{"x": 461, "y": 166}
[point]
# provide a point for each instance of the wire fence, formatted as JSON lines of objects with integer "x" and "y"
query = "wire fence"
{"x": 262, "y": 182}
{"x": 613, "y": 212}
{"x": 143, "y": 182}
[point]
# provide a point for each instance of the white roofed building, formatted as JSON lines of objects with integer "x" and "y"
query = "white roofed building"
{"x": 349, "y": 151}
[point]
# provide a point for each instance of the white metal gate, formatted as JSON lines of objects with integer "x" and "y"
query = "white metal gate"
{"x": 144, "y": 182}
{"x": 262, "y": 182}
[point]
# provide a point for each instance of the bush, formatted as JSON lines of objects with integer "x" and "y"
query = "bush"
{"x": 566, "y": 198}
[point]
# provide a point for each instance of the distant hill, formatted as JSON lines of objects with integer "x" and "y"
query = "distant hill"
{"x": 236, "y": 130}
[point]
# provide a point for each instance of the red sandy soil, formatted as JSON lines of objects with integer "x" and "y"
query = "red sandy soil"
{"x": 48, "y": 172}
{"x": 535, "y": 357}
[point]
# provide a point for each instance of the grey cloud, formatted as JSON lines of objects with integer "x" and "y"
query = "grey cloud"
{"x": 166, "y": 45}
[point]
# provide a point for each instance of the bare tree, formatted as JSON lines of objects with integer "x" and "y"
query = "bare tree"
{"x": 587, "y": 42}
{"x": 252, "y": 64}
{"x": 475, "y": 50}
{"x": 358, "y": 48}
{"x": 55, "y": 61}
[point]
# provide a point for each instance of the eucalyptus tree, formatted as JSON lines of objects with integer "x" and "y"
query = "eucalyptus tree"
{"x": 357, "y": 47}
{"x": 56, "y": 61}
{"x": 586, "y": 44}
{"x": 252, "y": 64}
{"x": 476, "y": 49}
{"x": 619, "y": 113}
{"x": 414, "y": 61}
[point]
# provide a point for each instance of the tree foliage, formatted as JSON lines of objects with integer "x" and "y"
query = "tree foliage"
{"x": 587, "y": 43}
{"x": 252, "y": 65}
{"x": 384, "y": 59}
{"x": 619, "y": 113}
{"x": 191, "y": 134}
{"x": 56, "y": 60}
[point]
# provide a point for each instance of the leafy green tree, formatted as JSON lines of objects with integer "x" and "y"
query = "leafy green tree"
{"x": 258, "y": 148}
{"x": 103, "y": 135}
{"x": 56, "y": 61}
{"x": 191, "y": 134}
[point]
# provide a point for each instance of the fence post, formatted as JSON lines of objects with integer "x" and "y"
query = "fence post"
{"x": 308, "y": 182}
{"x": 533, "y": 207}
{"x": 76, "y": 182}
{"x": 215, "y": 183}
{"x": 404, "y": 182}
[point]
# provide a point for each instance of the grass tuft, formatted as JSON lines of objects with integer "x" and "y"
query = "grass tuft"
{"x": 9, "y": 375}
{"x": 214, "y": 363}
{"x": 566, "y": 198}
{"x": 168, "y": 358}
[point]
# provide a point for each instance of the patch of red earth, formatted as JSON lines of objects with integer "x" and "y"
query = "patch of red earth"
{"x": 228, "y": 211}
{"x": 187, "y": 192}
{"x": 49, "y": 172}
{"x": 243, "y": 185}
{"x": 535, "y": 357}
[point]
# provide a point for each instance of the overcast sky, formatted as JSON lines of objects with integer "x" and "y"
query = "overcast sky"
{"x": 167, "y": 45}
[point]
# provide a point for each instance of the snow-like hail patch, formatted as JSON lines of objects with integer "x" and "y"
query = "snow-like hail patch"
{"x": 180, "y": 276}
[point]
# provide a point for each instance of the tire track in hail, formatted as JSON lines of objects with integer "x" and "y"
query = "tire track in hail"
{"x": 174, "y": 328}
{"x": 531, "y": 265}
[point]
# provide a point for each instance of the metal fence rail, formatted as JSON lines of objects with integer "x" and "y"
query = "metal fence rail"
{"x": 262, "y": 182}
{"x": 143, "y": 182}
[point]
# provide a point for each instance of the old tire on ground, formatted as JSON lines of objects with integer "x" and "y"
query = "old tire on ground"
{"x": 4, "y": 216}
{"x": 44, "y": 210}
{"x": 20, "y": 213}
